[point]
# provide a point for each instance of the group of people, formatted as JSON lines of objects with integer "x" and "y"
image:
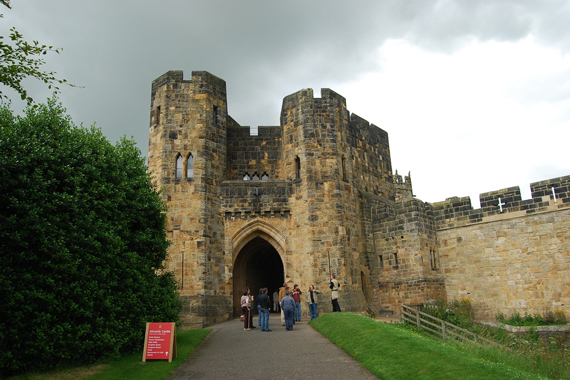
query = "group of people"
{"x": 288, "y": 300}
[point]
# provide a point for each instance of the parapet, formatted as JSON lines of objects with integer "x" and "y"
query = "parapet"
{"x": 306, "y": 96}
{"x": 172, "y": 76}
{"x": 201, "y": 78}
{"x": 548, "y": 195}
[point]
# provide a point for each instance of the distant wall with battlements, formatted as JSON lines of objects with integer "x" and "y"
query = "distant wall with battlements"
{"x": 512, "y": 260}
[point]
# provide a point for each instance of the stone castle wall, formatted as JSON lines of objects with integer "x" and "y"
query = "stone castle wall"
{"x": 405, "y": 243}
{"x": 189, "y": 117}
{"x": 517, "y": 260}
{"x": 254, "y": 155}
{"x": 368, "y": 158}
{"x": 325, "y": 207}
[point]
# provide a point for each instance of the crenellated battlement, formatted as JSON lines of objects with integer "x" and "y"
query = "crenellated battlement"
{"x": 202, "y": 82}
{"x": 307, "y": 94}
{"x": 504, "y": 203}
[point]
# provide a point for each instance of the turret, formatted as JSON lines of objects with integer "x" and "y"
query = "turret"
{"x": 187, "y": 156}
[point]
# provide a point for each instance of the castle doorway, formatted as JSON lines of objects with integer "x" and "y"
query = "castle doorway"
{"x": 257, "y": 265}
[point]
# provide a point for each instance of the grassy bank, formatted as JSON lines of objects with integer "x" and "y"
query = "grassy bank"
{"x": 129, "y": 367}
{"x": 394, "y": 352}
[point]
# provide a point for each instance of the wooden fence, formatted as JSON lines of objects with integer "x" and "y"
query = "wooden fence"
{"x": 440, "y": 329}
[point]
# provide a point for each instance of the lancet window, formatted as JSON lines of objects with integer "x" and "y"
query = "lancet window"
{"x": 179, "y": 166}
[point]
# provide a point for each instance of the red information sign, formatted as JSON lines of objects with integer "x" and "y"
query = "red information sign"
{"x": 160, "y": 341}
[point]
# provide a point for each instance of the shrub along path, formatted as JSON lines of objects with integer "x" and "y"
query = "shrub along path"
{"x": 231, "y": 353}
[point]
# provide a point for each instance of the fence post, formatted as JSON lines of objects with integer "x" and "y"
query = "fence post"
{"x": 418, "y": 321}
{"x": 443, "y": 330}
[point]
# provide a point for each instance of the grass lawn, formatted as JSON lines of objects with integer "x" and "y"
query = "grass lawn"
{"x": 392, "y": 352}
{"x": 129, "y": 367}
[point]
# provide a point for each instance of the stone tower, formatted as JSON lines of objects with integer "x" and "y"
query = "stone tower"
{"x": 187, "y": 156}
{"x": 256, "y": 211}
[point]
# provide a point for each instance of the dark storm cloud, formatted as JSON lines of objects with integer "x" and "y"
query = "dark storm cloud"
{"x": 263, "y": 49}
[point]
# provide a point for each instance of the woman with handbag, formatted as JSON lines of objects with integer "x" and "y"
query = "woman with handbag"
{"x": 245, "y": 309}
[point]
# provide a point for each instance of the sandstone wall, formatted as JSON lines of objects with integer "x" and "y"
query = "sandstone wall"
{"x": 189, "y": 117}
{"x": 325, "y": 209}
{"x": 259, "y": 154}
{"x": 368, "y": 157}
{"x": 406, "y": 256}
{"x": 517, "y": 260}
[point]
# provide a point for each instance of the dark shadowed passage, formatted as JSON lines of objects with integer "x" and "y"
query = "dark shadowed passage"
{"x": 258, "y": 265}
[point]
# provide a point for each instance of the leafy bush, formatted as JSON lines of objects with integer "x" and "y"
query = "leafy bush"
{"x": 82, "y": 237}
{"x": 548, "y": 318}
{"x": 457, "y": 312}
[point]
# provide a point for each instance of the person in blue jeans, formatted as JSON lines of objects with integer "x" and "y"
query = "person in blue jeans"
{"x": 264, "y": 303}
{"x": 297, "y": 297}
{"x": 311, "y": 299}
{"x": 288, "y": 307}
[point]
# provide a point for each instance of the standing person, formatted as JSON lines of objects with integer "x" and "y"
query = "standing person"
{"x": 282, "y": 291}
{"x": 245, "y": 309}
{"x": 251, "y": 326}
{"x": 297, "y": 297}
{"x": 288, "y": 307}
{"x": 264, "y": 303}
{"x": 276, "y": 301}
{"x": 334, "y": 293}
{"x": 311, "y": 299}
{"x": 258, "y": 307}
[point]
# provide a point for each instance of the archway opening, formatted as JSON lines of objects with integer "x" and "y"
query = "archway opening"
{"x": 258, "y": 265}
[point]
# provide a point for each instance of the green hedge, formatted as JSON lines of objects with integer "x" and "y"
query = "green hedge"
{"x": 82, "y": 237}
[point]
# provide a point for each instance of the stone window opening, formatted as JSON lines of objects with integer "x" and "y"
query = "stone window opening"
{"x": 433, "y": 261}
{"x": 179, "y": 166}
{"x": 381, "y": 261}
{"x": 255, "y": 177}
{"x": 395, "y": 258}
{"x": 216, "y": 116}
{"x": 264, "y": 177}
{"x": 297, "y": 168}
{"x": 157, "y": 115}
{"x": 344, "y": 174}
{"x": 190, "y": 166}
{"x": 246, "y": 177}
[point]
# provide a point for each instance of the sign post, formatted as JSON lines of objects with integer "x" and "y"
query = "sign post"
{"x": 160, "y": 341}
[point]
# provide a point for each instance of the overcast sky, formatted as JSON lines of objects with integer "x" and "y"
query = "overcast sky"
{"x": 474, "y": 94}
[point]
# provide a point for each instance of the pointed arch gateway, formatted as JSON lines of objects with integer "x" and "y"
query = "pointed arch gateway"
{"x": 258, "y": 250}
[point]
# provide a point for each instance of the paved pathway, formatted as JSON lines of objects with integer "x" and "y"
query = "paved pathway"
{"x": 231, "y": 353}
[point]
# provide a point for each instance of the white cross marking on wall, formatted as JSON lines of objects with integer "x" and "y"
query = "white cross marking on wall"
{"x": 501, "y": 204}
{"x": 554, "y": 194}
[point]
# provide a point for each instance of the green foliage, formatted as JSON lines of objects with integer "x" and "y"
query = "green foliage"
{"x": 82, "y": 237}
{"x": 20, "y": 59}
{"x": 457, "y": 312}
{"x": 549, "y": 317}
